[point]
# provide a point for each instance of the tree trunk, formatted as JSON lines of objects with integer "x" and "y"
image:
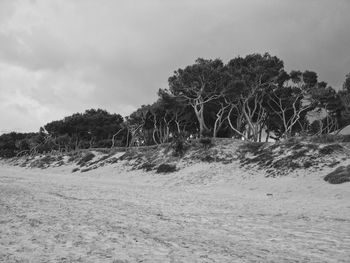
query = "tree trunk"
{"x": 260, "y": 134}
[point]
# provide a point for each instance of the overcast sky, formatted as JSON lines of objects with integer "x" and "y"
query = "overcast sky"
{"x": 60, "y": 57}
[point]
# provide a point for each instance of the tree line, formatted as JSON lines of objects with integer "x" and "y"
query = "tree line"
{"x": 252, "y": 98}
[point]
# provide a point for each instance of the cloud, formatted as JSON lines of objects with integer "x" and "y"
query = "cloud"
{"x": 59, "y": 57}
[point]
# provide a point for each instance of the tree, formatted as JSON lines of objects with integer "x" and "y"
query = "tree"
{"x": 249, "y": 79}
{"x": 93, "y": 128}
{"x": 346, "y": 84}
{"x": 289, "y": 103}
{"x": 326, "y": 113}
{"x": 287, "y": 110}
{"x": 139, "y": 124}
{"x": 198, "y": 84}
{"x": 309, "y": 79}
{"x": 181, "y": 112}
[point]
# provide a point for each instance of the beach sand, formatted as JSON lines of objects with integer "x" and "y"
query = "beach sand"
{"x": 202, "y": 213}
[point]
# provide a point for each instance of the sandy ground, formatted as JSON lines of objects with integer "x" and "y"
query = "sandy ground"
{"x": 203, "y": 213}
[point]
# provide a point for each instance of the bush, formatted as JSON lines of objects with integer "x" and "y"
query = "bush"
{"x": 339, "y": 176}
{"x": 86, "y": 158}
{"x": 327, "y": 138}
{"x": 43, "y": 162}
{"x": 179, "y": 146}
{"x": 103, "y": 144}
{"x": 7, "y": 153}
{"x": 166, "y": 168}
{"x": 88, "y": 169}
{"x": 73, "y": 156}
{"x": 346, "y": 138}
{"x": 207, "y": 133}
{"x": 206, "y": 142}
{"x": 75, "y": 170}
{"x": 147, "y": 166}
{"x": 252, "y": 147}
{"x": 207, "y": 158}
{"x": 307, "y": 164}
{"x": 329, "y": 149}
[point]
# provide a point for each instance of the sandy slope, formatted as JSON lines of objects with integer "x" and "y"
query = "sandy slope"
{"x": 203, "y": 213}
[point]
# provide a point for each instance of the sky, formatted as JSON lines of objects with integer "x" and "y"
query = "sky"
{"x": 60, "y": 57}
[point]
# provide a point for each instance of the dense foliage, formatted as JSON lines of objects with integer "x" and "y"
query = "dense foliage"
{"x": 93, "y": 128}
{"x": 251, "y": 98}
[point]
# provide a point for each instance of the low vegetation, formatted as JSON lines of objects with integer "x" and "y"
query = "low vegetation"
{"x": 166, "y": 168}
{"x": 87, "y": 157}
{"x": 270, "y": 159}
{"x": 283, "y": 158}
{"x": 339, "y": 175}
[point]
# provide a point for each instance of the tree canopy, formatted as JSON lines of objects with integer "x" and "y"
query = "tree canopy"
{"x": 251, "y": 98}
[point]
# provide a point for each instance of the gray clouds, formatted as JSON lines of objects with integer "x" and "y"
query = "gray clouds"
{"x": 59, "y": 57}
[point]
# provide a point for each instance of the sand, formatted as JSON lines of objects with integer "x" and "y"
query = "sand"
{"x": 202, "y": 213}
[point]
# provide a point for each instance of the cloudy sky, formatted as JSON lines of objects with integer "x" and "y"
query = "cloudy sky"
{"x": 60, "y": 57}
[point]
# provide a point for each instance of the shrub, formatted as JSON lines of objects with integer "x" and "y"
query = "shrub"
{"x": 206, "y": 142}
{"x": 88, "y": 169}
{"x": 329, "y": 149}
{"x": 166, "y": 168}
{"x": 207, "y": 158}
{"x": 75, "y": 170}
{"x": 339, "y": 175}
{"x": 179, "y": 146}
{"x": 206, "y": 133}
{"x": 103, "y": 144}
{"x": 147, "y": 166}
{"x": 333, "y": 164}
{"x": 86, "y": 158}
{"x": 7, "y": 153}
{"x": 73, "y": 156}
{"x": 346, "y": 138}
{"x": 307, "y": 164}
{"x": 43, "y": 162}
{"x": 326, "y": 138}
{"x": 292, "y": 141}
